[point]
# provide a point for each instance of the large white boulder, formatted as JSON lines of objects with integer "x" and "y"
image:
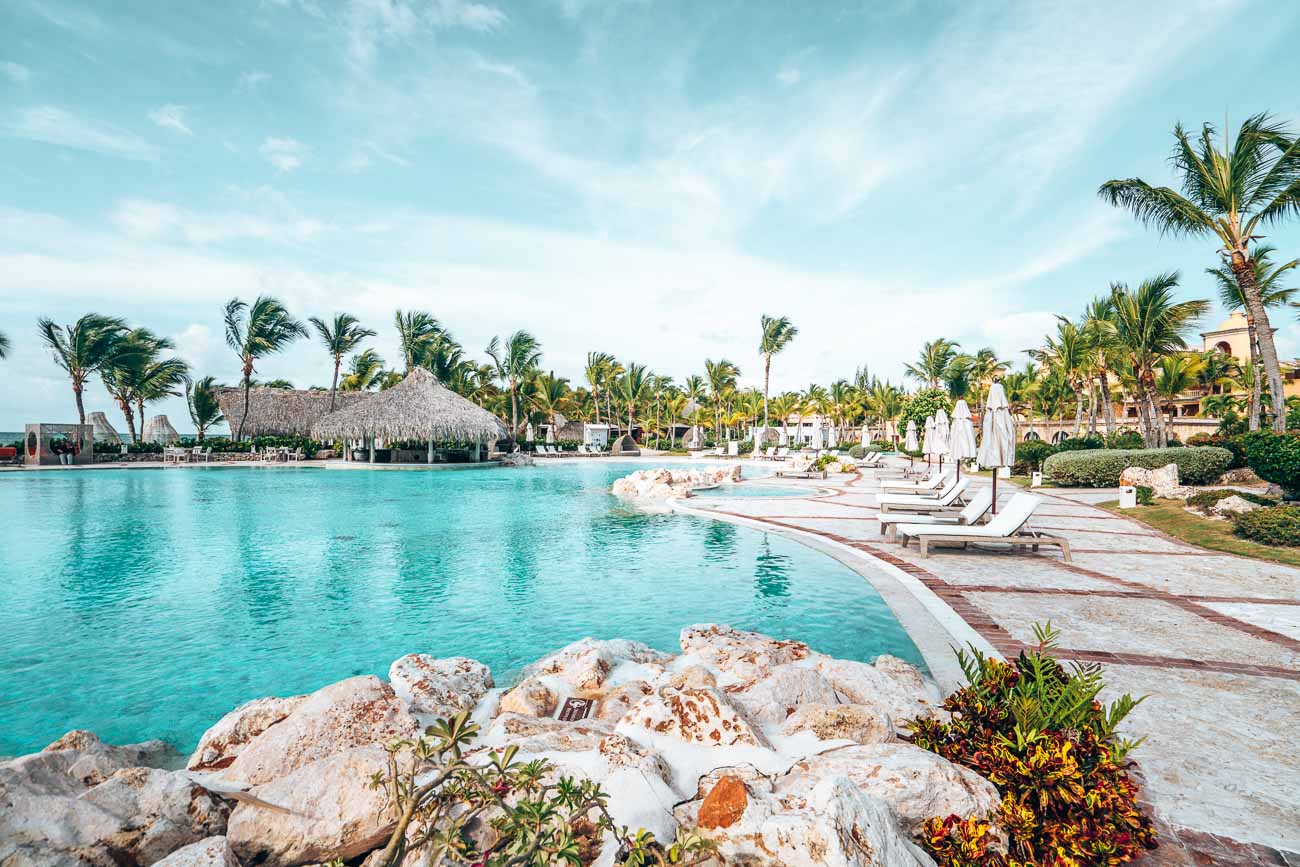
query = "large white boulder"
{"x": 860, "y": 723}
{"x": 917, "y": 783}
{"x": 773, "y": 698}
{"x": 695, "y": 716}
{"x": 745, "y": 656}
{"x": 531, "y": 697}
{"x": 894, "y": 688}
{"x": 223, "y": 742}
{"x": 660, "y": 484}
{"x": 351, "y": 713}
{"x": 1163, "y": 482}
{"x": 585, "y": 664}
{"x": 439, "y": 688}
{"x": 317, "y": 812}
{"x": 833, "y": 824}
{"x": 212, "y": 852}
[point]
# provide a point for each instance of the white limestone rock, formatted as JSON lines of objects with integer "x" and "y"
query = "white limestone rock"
{"x": 695, "y": 716}
{"x": 775, "y": 697}
{"x": 860, "y": 723}
{"x": 1234, "y": 505}
{"x": 439, "y": 688}
{"x": 661, "y": 484}
{"x": 890, "y": 688}
{"x": 531, "y": 697}
{"x": 1163, "y": 482}
{"x": 918, "y": 784}
{"x": 221, "y": 744}
{"x": 614, "y": 703}
{"x": 351, "y": 713}
{"x": 317, "y": 812}
{"x": 585, "y": 664}
{"x": 212, "y": 852}
{"x": 834, "y": 824}
{"x": 746, "y": 656}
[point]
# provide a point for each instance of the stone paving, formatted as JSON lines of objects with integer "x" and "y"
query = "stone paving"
{"x": 1212, "y": 639}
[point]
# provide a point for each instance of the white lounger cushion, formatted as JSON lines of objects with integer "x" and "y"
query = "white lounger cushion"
{"x": 1006, "y": 523}
{"x": 978, "y": 505}
{"x": 946, "y": 498}
{"x": 936, "y": 479}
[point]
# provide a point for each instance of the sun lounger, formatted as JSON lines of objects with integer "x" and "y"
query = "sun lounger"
{"x": 1007, "y": 527}
{"x": 782, "y": 454}
{"x": 952, "y": 493}
{"x": 937, "y": 479}
{"x": 870, "y": 459}
{"x": 801, "y": 469}
{"x": 976, "y": 509}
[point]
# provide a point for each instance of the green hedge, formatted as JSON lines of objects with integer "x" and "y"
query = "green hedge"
{"x": 1101, "y": 468}
{"x": 1275, "y": 458}
{"x": 1279, "y": 525}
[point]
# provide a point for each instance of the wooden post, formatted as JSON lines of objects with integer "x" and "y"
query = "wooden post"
{"x": 372, "y": 448}
{"x": 430, "y": 457}
{"x": 478, "y": 448}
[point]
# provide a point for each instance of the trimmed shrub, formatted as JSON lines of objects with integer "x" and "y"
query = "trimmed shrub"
{"x": 1042, "y": 736}
{"x": 857, "y": 452}
{"x": 1275, "y": 458}
{"x": 1279, "y": 525}
{"x": 1145, "y": 496}
{"x": 1234, "y": 444}
{"x": 1204, "y": 501}
{"x": 1101, "y": 468}
{"x": 1030, "y": 455}
{"x": 1078, "y": 444}
{"x": 881, "y": 446}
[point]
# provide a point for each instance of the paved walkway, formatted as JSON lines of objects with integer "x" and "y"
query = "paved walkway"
{"x": 1212, "y": 639}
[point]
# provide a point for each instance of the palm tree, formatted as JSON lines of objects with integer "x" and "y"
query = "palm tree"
{"x": 4, "y": 345}
{"x": 633, "y": 387}
{"x": 364, "y": 371}
{"x": 597, "y": 371}
{"x": 1267, "y": 277}
{"x": 1021, "y": 387}
{"x": 202, "y": 401}
{"x": 960, "y": 375}
{"x": 1229, "y": 194}
{"x": 1149, "y": 325}
{"x": 418, "y": 335}
{"x": 550, "y": 396}
{"x": 1066, "y": 355}
{"x": 123, "y": 373}
{"x": 514, "y": 361}
{"x": 1178, "y": 373}
{"x": 721, "y": 376}
{"x": 985, "y": 367}
{"x": 160, "y": 378}
{"x": 885, "y": 402}
{"x": 85, "y": 347}
{"x": 1098, "y": 328}
{"x": 777, "y": 334}
{"x": 340, "y": 337}
{"x": 932, "y": 364}
{"x": 254, "y": 332}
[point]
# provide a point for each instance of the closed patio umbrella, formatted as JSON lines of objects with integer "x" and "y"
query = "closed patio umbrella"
{"x": 998, "y": 437}
{"x": 866, "y": 435}
{"x": 830, "y": 437}
{"x": 528, "y": 433}
{"x": 941, "y": 431}
{"x": 927, "y": 440}
{"x": 961, "y": 439}
{"x": 550, "y": 434}
{"x": 909, "y": 442}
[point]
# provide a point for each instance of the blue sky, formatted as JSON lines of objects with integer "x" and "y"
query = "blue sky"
{"x": 639, "y": 177}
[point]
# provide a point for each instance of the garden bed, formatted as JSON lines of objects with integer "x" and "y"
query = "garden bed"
{"x": 1170, "y": 517}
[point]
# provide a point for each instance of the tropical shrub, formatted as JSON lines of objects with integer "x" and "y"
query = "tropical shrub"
{"x": 1042, "y": 737}
{"x": 1145, "y": 496}
{"x": 1079, "y": 444}
{"x": 1030, "y": 455}
{"x": 1279, "y": 525}
{"x": 1234, "y": 444}
{"x": 881, "y": 446}
{"x": 1125, "y": 439}
{"x": 1101, "y": 468}
{"x": 857, "y": 452}
{"x": 925, "y": 403}
{"x": 1275, "y": 458}
{"x": 825, "y": 461}
{"x": 438, "y": 795}
{"x": 1204, "y": 501}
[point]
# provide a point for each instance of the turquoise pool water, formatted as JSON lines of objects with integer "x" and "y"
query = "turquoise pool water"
{"x": 147, "y": 603}
{"x": 765, "y": 490}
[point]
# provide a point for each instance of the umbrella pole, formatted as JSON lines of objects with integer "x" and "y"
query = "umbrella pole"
{"x": 995, "y": 490}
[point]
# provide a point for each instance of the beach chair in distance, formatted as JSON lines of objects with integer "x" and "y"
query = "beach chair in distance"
{"x": 970, "y": 514}
{"x": 952, "y": 494}
{"x": 1007, "y": 527}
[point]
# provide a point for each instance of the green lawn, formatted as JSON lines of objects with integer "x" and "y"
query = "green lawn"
{"x": 1168, "y": 516}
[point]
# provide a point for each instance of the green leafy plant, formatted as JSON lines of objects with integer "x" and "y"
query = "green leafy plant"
{"x": 1030, "y": 454}
{"x": 499, "y": 811}
{"x": 1275, "y": 458}
{"x": 1129, "y": 439}
{"x": 925, "y": 403}
{"x": 1234, "y": 444}
{"x": 1279, "y": 525}
{"x": 1081, "y": 444}
{"x": 1204, "y": 501}
{"x": 1039, "y": 733}
{"x": 1101, "y": 468}
{"x": 1145, "y": 496}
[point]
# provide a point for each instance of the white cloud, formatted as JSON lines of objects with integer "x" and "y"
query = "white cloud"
{"x": 198, "y": 346}
{"x": 788, "y": 75}
{"x": 271, "y": 220}
{"x": 252, "y": 79}
{"x": 15, "y": 72}
{"x": 286, "y": 154}
{"x": 171, "y": 117}
{"x": 53, "y": 125}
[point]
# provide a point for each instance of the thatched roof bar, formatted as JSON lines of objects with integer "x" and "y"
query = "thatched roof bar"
{"x": 417, "y": 408}
{"x": 281, "y": 411}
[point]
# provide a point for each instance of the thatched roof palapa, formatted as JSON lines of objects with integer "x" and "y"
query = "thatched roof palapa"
{"x": 417, "y": 408}
{"x": 281, "y": 411}
{"x": 104, "y": 431}
{"x": 159, "y": 430}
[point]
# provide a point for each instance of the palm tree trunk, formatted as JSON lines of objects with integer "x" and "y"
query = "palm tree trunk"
{"x": 767, "y": 379}
{"x": 1254, "y": 407}
{"x": 139, "y": 403}
{"x": 334, "y": 386}
{"x": 243, "y": 419}
{"x": 1078, "y": 410}
{"x": 81, "y": 409}
{"x": 595, "y": 399}
{"x": 514, "y": 411}
{"x": 1107, "y": 408}
{"x": 1244, "y": 270}
{"x": 129, "y": 415}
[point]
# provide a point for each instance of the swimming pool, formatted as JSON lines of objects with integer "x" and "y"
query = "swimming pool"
{"x": 147, "y": 603}
{"x": 764, "y": 490}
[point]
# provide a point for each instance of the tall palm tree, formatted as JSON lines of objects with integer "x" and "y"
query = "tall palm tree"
{"x": 4, "y": 345}
{"x": 985, "y": 367}
{"x": 1229, "y": 194}
{"x": 1021, "y": 387}
{"x": 364, "y": 371}
{"x": 633, "y": 387}
{"x": 597, "y": 371}
{"x": 1178, "y": 373}
{"x": 418, "y": 334}
{"x": 1149, "y": 325}
{"x": 960, "y": 375}
{"x": 256, "y": 331}
{"x": 124, "y": 373}
{"x": 550, "y": 396}
{"x": 514, "y": 360}
{"x": 1098, "y": 328}
{"x": 160, "y": 378}
{"x": 932, "y": 364}
{"x": 84, "y": 348}
{"x": 201, "y": 399}
{"x": 340, "y": 337}
{"x": 1066, "y": 355}
{"x": 721, "y": 377}
{"x": 1268, "y": 276}
{"x": 777, "y": 334}
{"x": 885, "y": 402}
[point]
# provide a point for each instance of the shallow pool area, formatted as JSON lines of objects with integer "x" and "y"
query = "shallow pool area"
{"x": 753, "y": 490}
{"x": 143, "y": 603}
